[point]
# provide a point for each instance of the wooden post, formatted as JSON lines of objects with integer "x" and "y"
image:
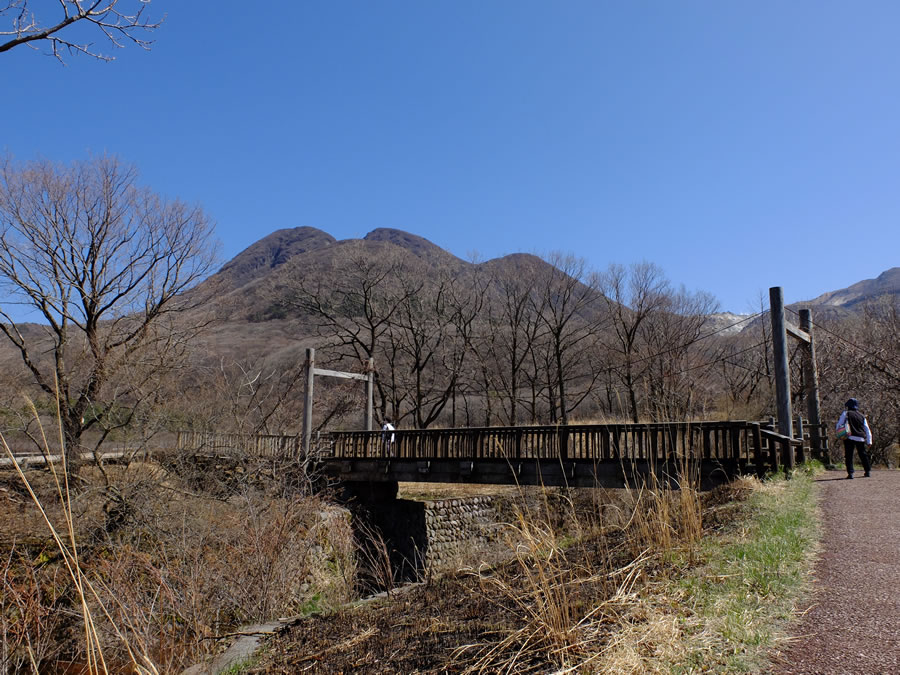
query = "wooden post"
{"x": 370, "y": 394}
{"x": 773, "y": 451}
{"x": 307, "y": 408}
{"x": 782, "y": 374}
{"x": 758, "y": 451}
{"x": 811, "y": 377}
{"x": 787, "y": 454}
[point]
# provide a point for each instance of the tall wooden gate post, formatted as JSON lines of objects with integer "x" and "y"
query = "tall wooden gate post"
{"x": 811, "y": 381}
{"x": 782, "y": 374}
{"x": 370, "y": 393}
{"x": 312, "y": 371}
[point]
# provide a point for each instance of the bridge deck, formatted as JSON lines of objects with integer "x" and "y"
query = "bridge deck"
{"x": 611, "y": 455}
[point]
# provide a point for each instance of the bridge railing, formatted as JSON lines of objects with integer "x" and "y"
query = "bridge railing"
{"x": 661, "y": 441}
{"x": 253, "y": 445}
{"x": 741, "y": 442}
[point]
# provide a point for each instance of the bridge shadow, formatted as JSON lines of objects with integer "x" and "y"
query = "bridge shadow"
{"x": 391, "y": 535}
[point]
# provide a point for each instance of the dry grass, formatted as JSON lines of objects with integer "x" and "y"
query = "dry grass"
{"x": 577, "y": 594}
{"x": 89, "y": 603}
{"x": 140, "y": 573}
{"x": 575, "y": 598}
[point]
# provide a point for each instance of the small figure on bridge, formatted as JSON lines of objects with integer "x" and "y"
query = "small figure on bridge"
{"x": 387, "y": 438}
{"x": 859, "y": 439}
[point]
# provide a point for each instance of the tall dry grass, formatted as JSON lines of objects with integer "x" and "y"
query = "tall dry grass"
{"x": 95, "y": 614}
{"x": 152, "y": 580}
{"x": 578, "y": 577}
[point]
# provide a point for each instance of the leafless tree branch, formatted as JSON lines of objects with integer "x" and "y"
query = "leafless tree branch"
{"x": 101, "y": 18}
{"x": 106, "y": 266}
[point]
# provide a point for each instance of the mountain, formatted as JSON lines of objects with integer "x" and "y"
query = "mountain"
{"x": 886, "y": 283}
{"x": 728, "y": 323}
{"x": 249, "y": 293}
{"x": 271, "y": 252}
{"x": 411, "y": 243}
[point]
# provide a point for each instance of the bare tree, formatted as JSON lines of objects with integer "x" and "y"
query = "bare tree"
{"x": 354, "y": 309}
{"x": 632, "y": 296}
{"x": 570, "y": 314}
{"x": 676, "y": 362}
{"x": 510, "y": 332}
{"x": 249, "y": 396}
{"x": 103, "y": 265}
{"x": 433, "y": 331}
{"x": 742, "y": 375}
{"x": 74, "y": 24}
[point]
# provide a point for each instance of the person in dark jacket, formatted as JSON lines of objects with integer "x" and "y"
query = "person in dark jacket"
{"x": 860, "y": 437}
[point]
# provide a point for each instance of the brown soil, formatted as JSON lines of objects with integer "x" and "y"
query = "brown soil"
{"x": 459, "y": 490}
{"x": 853, "y": 624}
{"x": 427, "y": 628}
{"x": 443, "y": 626}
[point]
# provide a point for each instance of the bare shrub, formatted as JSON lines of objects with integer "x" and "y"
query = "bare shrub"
{"x": 77, "y": 590}
{"x": 168, "y": 570}
{"x": 195, "y": 567}
{"x": 29, "y": 619}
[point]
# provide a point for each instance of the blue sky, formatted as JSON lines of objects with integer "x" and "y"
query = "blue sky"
{"x": 738, "y": 145}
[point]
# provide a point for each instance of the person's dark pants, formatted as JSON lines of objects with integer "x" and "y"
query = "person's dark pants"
{"x": 860, "y": 447}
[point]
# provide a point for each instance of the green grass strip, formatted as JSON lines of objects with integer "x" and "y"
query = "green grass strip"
{"x": 753, "y": 576}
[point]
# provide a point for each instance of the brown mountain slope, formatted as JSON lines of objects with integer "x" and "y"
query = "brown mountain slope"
{"x": 271, "y": 252}
{"x": 886, "y": 283}
{"x": 253, "y": 292}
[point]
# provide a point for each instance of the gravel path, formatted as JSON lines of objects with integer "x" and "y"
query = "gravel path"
{"x": 854, "y": 624}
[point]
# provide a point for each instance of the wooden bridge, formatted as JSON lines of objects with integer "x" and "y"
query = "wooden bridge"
{"x": 609, "y": 455}
{"x": 589, "y": 455}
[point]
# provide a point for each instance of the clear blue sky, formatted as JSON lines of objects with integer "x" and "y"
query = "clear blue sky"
{"x": 738, "y": 145}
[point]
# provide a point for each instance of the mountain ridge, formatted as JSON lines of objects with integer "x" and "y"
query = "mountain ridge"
{"x": 271, "y": 252}
{"x": 313, "y": 251}
{"x": 886, "y": 283}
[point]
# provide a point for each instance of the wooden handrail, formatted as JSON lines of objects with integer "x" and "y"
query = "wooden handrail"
{"x": 796, "y": 442}
{"x": 734, "y": 442}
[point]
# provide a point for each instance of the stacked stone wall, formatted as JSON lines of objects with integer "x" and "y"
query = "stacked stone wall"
{"x": 440, "y": 535}
{"x": 458, "y": 528}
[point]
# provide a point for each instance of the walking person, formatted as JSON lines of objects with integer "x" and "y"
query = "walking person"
{"x": 387, "y": 438}
{"x": 860, "y": 437}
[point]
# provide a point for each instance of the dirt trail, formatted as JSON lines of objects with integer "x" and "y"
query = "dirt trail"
{"x": 853, "y": 625}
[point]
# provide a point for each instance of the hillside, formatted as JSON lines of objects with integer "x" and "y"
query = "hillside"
{"x": 886, "y": 283}
{"x": 250, "y": 296}
{"x": 270, "y": 253}
{"x": 252, "y": 293}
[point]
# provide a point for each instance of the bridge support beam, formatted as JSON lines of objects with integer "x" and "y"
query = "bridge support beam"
{"x": 811, "y": 388}
{"x": 782, "y": 372}
{"x": 362, "y": 475}
{"x": 311, "y": 371}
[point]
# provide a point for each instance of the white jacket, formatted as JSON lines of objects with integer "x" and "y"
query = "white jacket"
{"x": 867, "y": 439}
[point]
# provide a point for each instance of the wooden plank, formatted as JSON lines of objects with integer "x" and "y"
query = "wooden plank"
{"x": 758, "y": 452}
{"x": 811, "y": 386}
{"x": 335, "y": 373}
{"x": 796, "y": 332}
